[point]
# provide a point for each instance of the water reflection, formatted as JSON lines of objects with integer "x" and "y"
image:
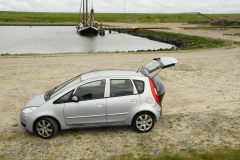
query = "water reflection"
{"x": 61, "y": 39}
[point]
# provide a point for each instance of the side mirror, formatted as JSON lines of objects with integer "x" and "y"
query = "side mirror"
{"x": 75, "y": 99}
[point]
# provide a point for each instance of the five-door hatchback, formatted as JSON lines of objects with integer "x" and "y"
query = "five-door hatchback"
{"x": 97, "y": 98}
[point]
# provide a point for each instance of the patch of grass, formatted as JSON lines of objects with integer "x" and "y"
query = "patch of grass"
{"x": 12, "y": 138}
{"x": 214, "y": 123}
{"x": 126, "y": 145}
{"x": 195, "y": 133}
{"x": 15, "y": 125}
{"x": 2, "y": 156}
{"x": 179, "y": 118}
{"x": 140, "y": 144}
{"x": 222, "y": 154}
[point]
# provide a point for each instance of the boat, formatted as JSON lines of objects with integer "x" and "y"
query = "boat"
{"x": 87, "y": 26}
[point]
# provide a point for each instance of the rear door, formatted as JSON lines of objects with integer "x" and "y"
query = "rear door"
{"x": 158, "y": 63}
{"x": 122, "y": 102}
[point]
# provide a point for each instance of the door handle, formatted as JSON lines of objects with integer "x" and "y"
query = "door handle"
{"x": 134, "y": 100}
{"x": 100, "y": 105}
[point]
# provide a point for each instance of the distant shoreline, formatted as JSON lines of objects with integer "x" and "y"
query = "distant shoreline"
{"x": 55, "y": 18}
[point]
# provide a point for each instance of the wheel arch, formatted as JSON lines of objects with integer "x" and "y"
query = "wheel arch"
{"x": 59, "y": 126}
{"x": 143, "y": 112}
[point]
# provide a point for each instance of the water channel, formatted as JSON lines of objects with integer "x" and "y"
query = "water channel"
{"x": 64, "y": 39}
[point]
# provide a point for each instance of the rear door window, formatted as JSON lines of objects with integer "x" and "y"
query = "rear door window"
{"x": 139, "y": 86}
{"x": 121, "y": 87}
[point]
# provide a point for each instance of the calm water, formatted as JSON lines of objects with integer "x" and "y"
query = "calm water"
{"x": 61, "y": 39}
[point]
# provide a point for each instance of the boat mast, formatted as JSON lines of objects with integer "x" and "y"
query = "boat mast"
{"x": 83, "y": 10}
{"x": 86, "y": 10}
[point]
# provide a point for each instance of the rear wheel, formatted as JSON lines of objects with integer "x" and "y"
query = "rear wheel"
{"x": 143, "y": 122}
{"x": 46, "y": 127}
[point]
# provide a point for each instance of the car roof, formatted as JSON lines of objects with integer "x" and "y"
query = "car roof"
{"x": 111, "y": 73}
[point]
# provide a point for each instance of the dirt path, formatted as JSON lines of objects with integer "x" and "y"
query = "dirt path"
{"x": 201, "y": 105}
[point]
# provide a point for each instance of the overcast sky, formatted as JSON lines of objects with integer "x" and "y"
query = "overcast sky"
{"x": 131, "y": 6}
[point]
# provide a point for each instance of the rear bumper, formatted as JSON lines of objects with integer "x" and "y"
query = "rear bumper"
{"x": 157, "y": 113}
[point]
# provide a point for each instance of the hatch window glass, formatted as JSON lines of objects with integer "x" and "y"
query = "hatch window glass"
{"x": 92, "y": 90}
{"x": 139, "y": 85}
{"x": 121, "y": 87}
{"x": 152, "y": 66}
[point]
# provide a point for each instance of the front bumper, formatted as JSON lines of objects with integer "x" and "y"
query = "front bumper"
{"x": 27, "y": 121}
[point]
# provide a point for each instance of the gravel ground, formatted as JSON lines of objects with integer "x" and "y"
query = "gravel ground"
{"x": 201, "y": 108}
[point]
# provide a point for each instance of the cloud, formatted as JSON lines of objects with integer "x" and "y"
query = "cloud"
{"x": 131, "y": 6}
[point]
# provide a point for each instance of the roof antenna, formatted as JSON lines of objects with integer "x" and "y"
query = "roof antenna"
{"x": 140, "y": 65}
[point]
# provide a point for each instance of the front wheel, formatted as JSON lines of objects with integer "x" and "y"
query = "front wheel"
{"x": 143, "y": 122}
{"x": 46, "y": 127}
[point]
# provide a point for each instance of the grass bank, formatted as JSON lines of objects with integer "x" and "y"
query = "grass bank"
{"x": 182, "y": 41}
{"x": 73, "y": 18}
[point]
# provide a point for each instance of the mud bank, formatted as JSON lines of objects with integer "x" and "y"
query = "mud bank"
{"x": 181, "y": 41}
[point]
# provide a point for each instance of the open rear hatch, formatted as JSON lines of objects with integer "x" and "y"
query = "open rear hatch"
{"x": 158, "y": 63}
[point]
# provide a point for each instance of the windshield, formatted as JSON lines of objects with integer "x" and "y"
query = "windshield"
{"x": 65, "y": 86}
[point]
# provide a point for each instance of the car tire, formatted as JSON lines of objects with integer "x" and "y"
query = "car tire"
{"x": 143, "y": 122}
{"x": 46, "y": 127}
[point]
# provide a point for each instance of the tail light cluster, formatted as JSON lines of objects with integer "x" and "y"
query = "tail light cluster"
{"x": 154, "y": 92}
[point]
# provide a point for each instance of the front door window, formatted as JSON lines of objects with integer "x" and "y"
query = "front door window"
{"x": 91, "y": 91}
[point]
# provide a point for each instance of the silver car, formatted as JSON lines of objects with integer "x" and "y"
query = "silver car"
{"x": 95, "y": 99}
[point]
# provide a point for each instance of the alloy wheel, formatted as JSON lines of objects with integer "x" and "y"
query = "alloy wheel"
{"x": 144, "y": 122}
{"x": 44, "y": 128}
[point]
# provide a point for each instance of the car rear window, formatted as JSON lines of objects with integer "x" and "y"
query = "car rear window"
{"x": 139, "y": 85}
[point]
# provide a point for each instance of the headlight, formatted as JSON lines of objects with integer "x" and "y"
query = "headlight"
{"x": 29, "y": 110}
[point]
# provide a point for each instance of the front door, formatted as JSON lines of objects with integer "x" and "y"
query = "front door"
{"x": 91, "y": 109}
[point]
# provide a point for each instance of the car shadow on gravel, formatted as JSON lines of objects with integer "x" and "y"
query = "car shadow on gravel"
{"x": 95, "y": 131}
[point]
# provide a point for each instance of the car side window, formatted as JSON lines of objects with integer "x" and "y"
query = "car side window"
{"x": 91, "y": 90}
{"x": 121, "y": 87}
{"x": 139, "y": 85}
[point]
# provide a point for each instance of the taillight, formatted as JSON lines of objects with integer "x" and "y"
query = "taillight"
{"x": 154, "y": 92}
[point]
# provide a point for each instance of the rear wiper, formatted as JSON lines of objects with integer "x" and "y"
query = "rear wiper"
{"x": 156, "y": 74}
